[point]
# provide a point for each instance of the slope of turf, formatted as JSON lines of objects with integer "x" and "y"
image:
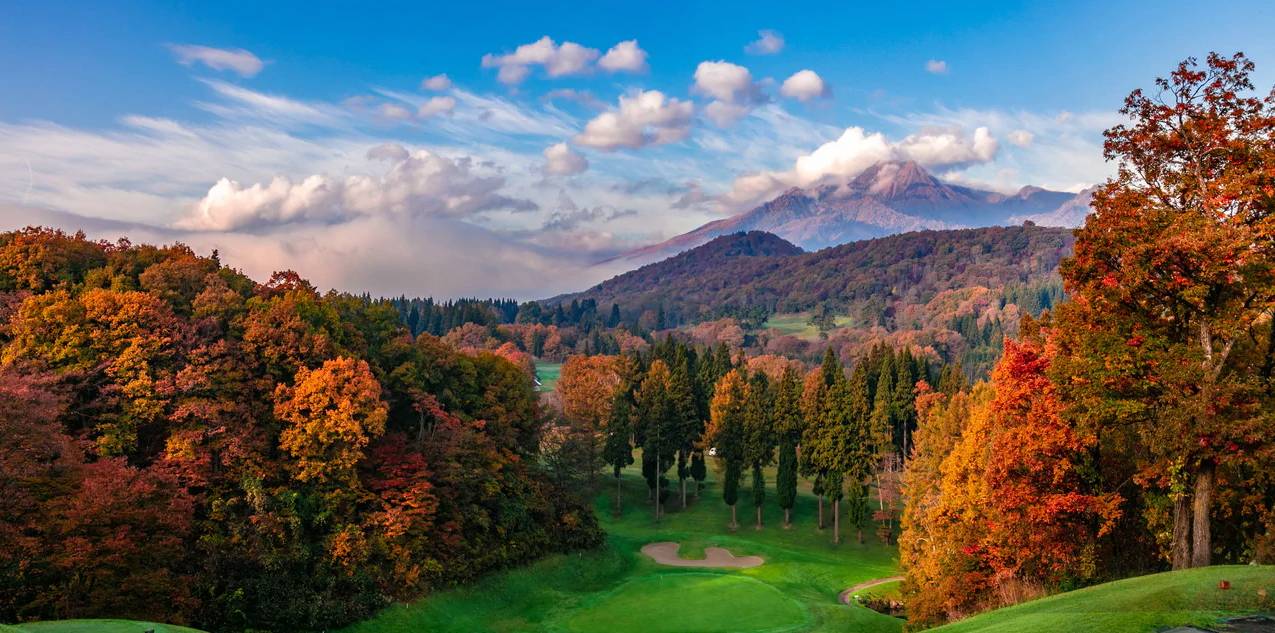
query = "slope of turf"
{"x": 596, "y": 592}
{"x": 547, "y": 373}
{"x": 93, "y": 626}
{"x": 640, "y": 606}
{"x": 1146, "y": 603}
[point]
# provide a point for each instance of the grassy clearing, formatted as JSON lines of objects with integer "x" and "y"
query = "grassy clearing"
{"x": 547, "y": 373}
{"x": 795, "y": 324}
{"x": 605, "y": 590}
{"x": 1147, "y": 603}
{"x": 93, "y": 626}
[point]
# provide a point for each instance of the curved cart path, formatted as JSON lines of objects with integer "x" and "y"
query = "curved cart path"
{"x": 666, "y": 554}
{"x": 849, "y": 592}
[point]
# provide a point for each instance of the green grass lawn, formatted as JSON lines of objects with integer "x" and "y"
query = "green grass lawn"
{"x": 616, "y": 589}
{"x": 795, "y": 324}
{"x": 547, "y": 373}
{"x": 1147, "y": 603}
{"x": 93, "y": 626}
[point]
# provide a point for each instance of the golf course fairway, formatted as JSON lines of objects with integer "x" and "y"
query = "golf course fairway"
{"x": 706, "y": 603}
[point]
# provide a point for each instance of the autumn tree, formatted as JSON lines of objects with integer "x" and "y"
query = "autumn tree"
{"x": 727, "y": 433}
{"x": 1001, "y": 503}
{"x": 1177, "y": 259}
{"x": 586, "y": 387}
{"x": 332, "y": 413}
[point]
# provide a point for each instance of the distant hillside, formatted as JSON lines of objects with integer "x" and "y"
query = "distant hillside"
{"x": 749, "y": 272}
{"x": 887, "y": 198}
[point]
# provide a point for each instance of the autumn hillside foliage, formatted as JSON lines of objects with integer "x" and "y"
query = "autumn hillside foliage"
{"x": 181, "y": 443}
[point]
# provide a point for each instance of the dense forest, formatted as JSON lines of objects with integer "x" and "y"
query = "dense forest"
{"x": 184, "y": 444}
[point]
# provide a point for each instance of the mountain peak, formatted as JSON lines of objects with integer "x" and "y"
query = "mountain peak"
{"x": 891, "y": 179}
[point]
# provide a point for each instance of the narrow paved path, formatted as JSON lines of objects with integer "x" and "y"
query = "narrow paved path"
{"x": 666, "y": 554}
{"x": 846, "y": 595}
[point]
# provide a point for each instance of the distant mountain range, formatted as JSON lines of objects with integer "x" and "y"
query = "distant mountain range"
{"x": 887, "y": 198}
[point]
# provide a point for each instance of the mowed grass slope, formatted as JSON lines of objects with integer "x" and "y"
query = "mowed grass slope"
{"x": 616, "y": 589}
{"x": 797, "y": 324}
{"x": 1146, "y": 603}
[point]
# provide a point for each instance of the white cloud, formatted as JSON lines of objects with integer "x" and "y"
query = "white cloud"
{"x": 394, "y": 112}
{"x": 1021, "y": 138}
{"x": 436, "y": 83}
{"x": 388, "y": 152}
{"x": 936, "y": 67}
{"x": 732, "y": 88}
{"x": 582, "y": 97}
{"x": 767, "y": 43}
{"x": 856, "y": 150}
{"x": 422, "y": 184}
{"x": 943, "y": 148}
{"x": 804, "y": 85}
{"x": 488, "y": 118}
{"x": 561, "y": 160}
{"x": 643, "y": 118}
{"x": 236, "y": 60}
{"x": 723, "y": 81}
{"x": 625, "y": 56}
{"x": 1065, "y": 152}
{"x": 436, "y": 105}
{"x": 385, "y": 256}
{"x": 568, "y": 58}
{"x": 242, "y": 103}
{"x": 725, "y": 113}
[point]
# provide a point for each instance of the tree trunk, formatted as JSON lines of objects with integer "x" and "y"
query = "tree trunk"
{"x": 1202, "y": 543}
{"x": 861, "y": 536}
{"x": 657, "y": 489}
{"x": 821, "y": 512}
{"x": 733, "y": 523}
{"x": 683, "y": 494}
{"x": 787, "y": 517}
{"x": 618, "y": 509}
{"x": 759, "y": 517}
{"x": 836, "y": 521}
{"x": 1182, "y": 532}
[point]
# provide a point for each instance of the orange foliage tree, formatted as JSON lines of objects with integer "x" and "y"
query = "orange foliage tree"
{"x": 332, "y": 413}
{"x": 999, "y": 506}
{"x": 1176, "y": 270}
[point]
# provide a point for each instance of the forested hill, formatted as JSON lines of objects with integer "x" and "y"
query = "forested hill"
{"x": 753, "y": 273}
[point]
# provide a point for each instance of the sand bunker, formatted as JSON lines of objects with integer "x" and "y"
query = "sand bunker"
{"x": 666, "y": 554}
{"x": 849, "y": 592}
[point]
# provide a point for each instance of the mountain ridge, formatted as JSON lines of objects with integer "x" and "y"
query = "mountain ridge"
{"x": 887, "y": 198}
{"x": 701, "y": 283}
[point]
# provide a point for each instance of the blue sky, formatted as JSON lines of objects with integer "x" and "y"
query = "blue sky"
{"x": 303, "y": 136}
